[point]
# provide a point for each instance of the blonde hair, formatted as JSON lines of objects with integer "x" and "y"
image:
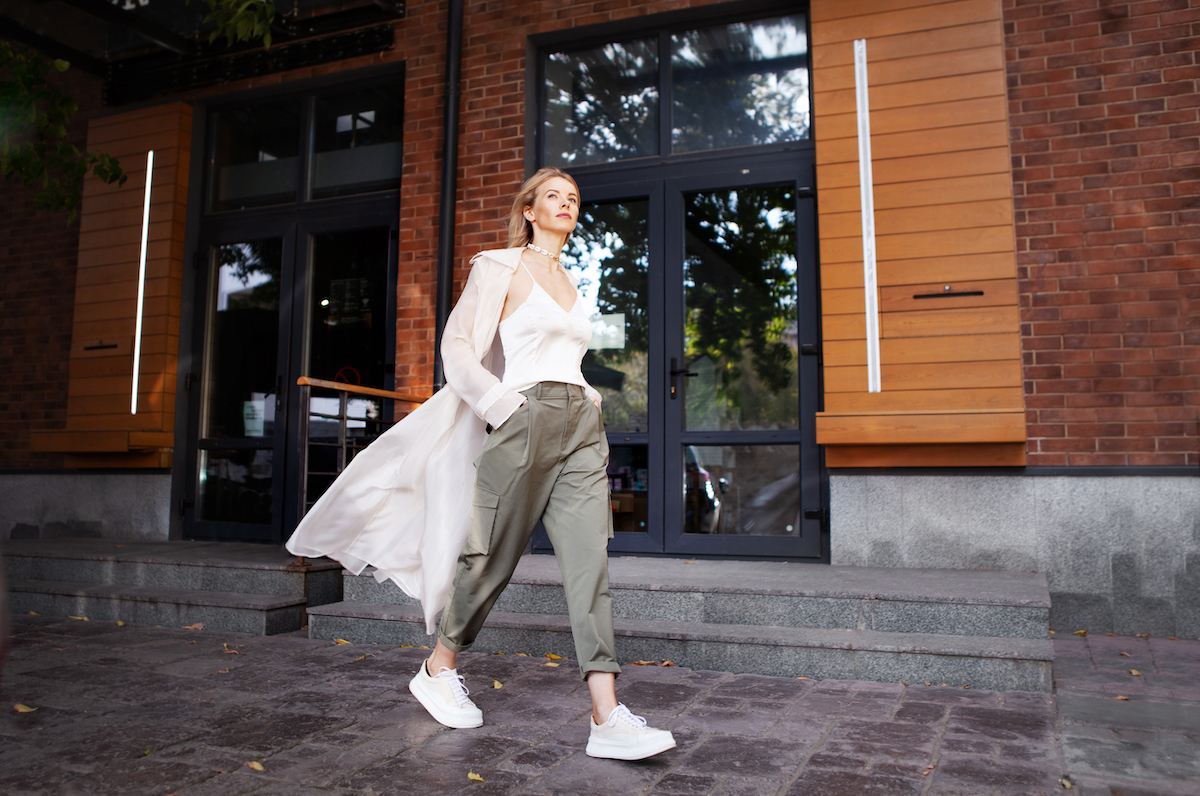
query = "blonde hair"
{"x": 520, "y": 230}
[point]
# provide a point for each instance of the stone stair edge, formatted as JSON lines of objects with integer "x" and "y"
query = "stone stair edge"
{"x": 184, "y": 553}
{"x": 155, "y": 594}
{"x": 1042, "y": 600}
{"x": 851, "y": 640}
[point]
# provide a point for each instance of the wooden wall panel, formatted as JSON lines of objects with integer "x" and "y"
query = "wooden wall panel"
{"x": 101, "y": 431}
{"x": 951, "y": 366}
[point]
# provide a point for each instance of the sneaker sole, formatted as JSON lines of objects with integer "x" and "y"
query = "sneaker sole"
{"x": 611, "y": 751}
{"x": 431, "y": 703}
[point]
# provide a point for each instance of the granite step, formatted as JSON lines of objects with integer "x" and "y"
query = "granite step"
{"x": 942, "y": 602}
{"x": 994, "y": 663}
{"x": 209, "y": 566}
{"x": 262, "y": 614}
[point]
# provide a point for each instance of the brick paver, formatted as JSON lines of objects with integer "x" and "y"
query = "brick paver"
{"x": 141, "y": 710}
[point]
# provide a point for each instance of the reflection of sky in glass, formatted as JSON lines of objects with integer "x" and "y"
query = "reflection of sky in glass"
{"x": 228, "y": 282}
{"x": 608, "y": 330}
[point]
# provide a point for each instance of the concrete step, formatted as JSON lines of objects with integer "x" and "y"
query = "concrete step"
{"x": 209, "y": 566}
{"x": 155, "y": 605}
{"x": 1004, "y": 664}
{"x": 943, "y": 602}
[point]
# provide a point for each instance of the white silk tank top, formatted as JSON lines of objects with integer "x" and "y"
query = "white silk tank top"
{"x": 544, "y": 342}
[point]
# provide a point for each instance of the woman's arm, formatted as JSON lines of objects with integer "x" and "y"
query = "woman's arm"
{"x": 465, "y": 374}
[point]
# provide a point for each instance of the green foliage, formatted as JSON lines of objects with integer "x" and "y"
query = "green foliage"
{"x": 33, "y": 123}
{"x": 241, "y": 20}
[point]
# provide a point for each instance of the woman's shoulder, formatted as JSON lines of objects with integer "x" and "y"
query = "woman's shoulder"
{"x": 502, "y": 259}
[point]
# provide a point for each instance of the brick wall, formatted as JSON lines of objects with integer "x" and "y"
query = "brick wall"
{"x": 1105, "y": 121}
{"x": 38, "y": 252}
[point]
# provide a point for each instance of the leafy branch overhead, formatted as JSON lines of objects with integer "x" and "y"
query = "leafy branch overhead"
{"x": 33, "y": 146}
{"x": 241, "y": 20}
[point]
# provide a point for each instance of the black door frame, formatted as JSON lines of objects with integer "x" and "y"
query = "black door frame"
{"x": 295, "y": 222}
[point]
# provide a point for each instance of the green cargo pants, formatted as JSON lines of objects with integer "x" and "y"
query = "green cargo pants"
{"x": 548, "y": 461}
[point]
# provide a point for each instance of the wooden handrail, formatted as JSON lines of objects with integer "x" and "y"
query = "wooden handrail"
{"x": 305, "y": 381}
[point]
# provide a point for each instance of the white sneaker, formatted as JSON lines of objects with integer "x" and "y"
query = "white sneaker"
{"x": 626, "y": 737}
{"x": 445, "y": 697}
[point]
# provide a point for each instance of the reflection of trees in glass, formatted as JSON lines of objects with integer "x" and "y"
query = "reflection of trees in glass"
{"x": 740, "y": 280}
{"x": 610, "y": 246}
{"x": 602, "y": 103}
{"x": 741, "y": 84}
{"x": 249, "y": 263}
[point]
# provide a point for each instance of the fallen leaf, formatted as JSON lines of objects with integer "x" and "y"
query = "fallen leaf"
{"x": 552, "y": 665}
{"x": 689, "y": 562}
{"x": 521, "y": 654}
{"x": 254, "y": 764}
{"x": 1124, "y": 654}
{"x": 196, "y": 626}
{"x": 1052, "y": 633}
{"x": 422, "y": 647}
{"x": 1142, "y": 635}
{"x": 1079, "y": 633}
{"x": 966, "y": 686}
{"x": 80, "y": 618}
{"x": 644, "y": 663}
{"x": 801, "y": 678}
{"x": 222, "y": 671}
{"x": 340, "y": 641}
{"x": 1066, "y": 782}
{"x": 929, "y": 684}
{"x": 499, "y": 653}
{"x": 60, "y": 649}
{"x": 147, "y": 752}
{"x": 1172, "y": 638}
{"x": 1110, "y": 634}
{"x": 34, "y": 613}
{"x": 928, "y": 768}
{"x": 402, "y": 646}
{"x": 190, "y": 642}
{"x": 1135, "y": 672}
{"x": 1122, "y": 698}
{"x": 23, "y": 708}
{"x": 368, "y": 655}
{"x": 120, "y": 623}
{"x": 552, "y": 656}
{"x": 941, "y": 685}
{"x": 229, "y": 651}
{"x": 666, "y": 663}
{"x": 497, "y": 684}
{"x": 471, "y": 775}
{"x": 118, "y": 545}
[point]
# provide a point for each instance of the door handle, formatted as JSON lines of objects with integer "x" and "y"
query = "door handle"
{"x": 676, "y": 371}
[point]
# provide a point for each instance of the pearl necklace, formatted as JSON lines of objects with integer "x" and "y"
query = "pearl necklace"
{"x": 540, "y": 250}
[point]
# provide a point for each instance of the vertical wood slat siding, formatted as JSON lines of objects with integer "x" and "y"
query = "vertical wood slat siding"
{"x": 100, "y": 430}
{"x": 943, "y": 214}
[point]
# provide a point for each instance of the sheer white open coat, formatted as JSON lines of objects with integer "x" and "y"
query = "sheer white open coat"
{"x": 403, "y": 505}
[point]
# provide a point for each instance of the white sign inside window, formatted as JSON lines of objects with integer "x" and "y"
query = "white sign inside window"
{"x": 608, "y": 331}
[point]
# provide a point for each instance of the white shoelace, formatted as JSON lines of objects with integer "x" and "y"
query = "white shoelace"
{"x": 458, "y": 685}
{"x": 622, "y": 713}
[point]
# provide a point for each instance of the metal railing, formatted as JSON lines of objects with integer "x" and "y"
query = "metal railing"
{"x": 346, "y": 446}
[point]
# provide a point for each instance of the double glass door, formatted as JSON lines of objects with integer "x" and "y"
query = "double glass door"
{"x": 280, "y": 301}
{"x": 703, "y": 295}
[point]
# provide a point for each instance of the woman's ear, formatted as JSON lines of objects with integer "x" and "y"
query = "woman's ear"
{"x": 528, "y": 212}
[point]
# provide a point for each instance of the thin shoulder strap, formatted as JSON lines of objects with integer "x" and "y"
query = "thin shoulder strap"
{"x": 526, "y": 267}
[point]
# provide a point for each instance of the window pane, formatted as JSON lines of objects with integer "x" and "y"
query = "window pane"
{"x": 357, "y": 143}
{"x": 243, "y": 341}
{"x": 740, "y": 84}
{"x": 628, "y": 474}
{"x": 235, "y": 486}
{"x": 254, "y": 154}
{"x": 752, "y": 490}
{"x": 740, "y": 310}
{"x": 610, "y": 254}
{"x": 601, "y": 103}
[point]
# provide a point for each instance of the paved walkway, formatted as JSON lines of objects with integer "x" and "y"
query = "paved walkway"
{"x": 142, "y": 710}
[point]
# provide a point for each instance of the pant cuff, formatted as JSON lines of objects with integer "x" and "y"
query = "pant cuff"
{"x": 450, "y": 645}
{"x": 600, "y": 666}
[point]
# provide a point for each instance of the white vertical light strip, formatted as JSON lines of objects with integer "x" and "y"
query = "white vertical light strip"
{"x": 866, "y": 191}
{"x": 137, "y": 333}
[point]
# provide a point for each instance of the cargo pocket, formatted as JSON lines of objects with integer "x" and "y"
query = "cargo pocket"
{"x": 483, "y": 518}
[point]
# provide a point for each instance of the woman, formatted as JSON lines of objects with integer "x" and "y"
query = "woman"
{"x": 511, "y": 350}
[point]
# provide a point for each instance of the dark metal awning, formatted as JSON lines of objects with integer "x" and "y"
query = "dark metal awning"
{"x": 149, "y": 48}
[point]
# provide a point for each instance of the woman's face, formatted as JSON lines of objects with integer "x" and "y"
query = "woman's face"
{"x": 556, "y": 208}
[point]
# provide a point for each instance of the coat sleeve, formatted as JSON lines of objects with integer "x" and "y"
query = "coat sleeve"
{"x": 465, "y": 374}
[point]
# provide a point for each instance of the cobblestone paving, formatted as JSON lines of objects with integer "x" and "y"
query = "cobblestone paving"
{"x": 141, "y": 710}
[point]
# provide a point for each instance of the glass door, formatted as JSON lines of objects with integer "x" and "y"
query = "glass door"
{"x": 243, "y": 398}
{"x": 741, "y": 466}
